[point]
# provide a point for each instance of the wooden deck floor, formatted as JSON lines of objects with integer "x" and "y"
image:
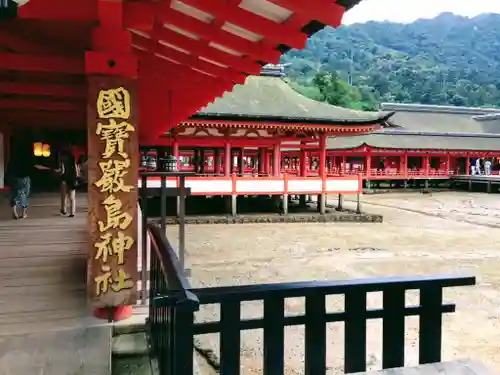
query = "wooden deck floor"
{"x": 42, "y": 268}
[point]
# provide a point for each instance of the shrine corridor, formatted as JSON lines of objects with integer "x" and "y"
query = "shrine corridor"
{"x": 45, "y": 325}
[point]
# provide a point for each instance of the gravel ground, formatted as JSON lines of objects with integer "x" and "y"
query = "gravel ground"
{"x": 421, "y": 235}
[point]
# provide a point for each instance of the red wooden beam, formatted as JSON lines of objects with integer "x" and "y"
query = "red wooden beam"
{"x": 34, "y": 89}
{"x": 213, "y": 33}
{"x": 17, "y": 44}
{"x": 192, "y": 61}
{"x": 41, "y": 63}
{"x": 201, "y": 48}
{"x": 44, "y": 119}
{"x": 324, "y": 11}
{"x": 41, "y": 105}
{"x": 272, "y": 31}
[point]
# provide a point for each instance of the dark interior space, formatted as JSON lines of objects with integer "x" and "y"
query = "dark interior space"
{"x": 44, "y": 146}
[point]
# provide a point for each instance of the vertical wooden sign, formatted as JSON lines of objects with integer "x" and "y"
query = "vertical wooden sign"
{"x": 113, "y": 166}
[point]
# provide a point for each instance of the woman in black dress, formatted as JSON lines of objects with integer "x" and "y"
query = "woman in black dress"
{"x": 69, "y": 181}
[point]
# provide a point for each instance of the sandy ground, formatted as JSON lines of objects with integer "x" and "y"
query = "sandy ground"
{"x": 421, "y": 235}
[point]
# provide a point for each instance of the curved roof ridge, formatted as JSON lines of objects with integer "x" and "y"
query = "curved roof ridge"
{"x": 439, "y": 109}
{"x": 271, "y": 98}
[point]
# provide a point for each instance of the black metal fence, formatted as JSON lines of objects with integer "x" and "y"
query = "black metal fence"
{"x": 173, "y": 305}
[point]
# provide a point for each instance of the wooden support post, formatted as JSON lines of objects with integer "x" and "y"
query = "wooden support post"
{"x": 368, "y": 171}
{"x": 217, "y": 161}
{"x": 112, "y": 180}
{"x": 322, "y": 203}
{"x": 228, "y": 159}
{"x": 358, "y": 205}
{"x": 322, "y": 156}
{"x": 340, "y": 205}
{"x": 470, "y": 185}
{"x": 241, "y": 162}
{"x": 303, "y": 164}
{"x": 277, "y": 160}
{"x": 302, "y": 200}
{"x": 488, "y": 187}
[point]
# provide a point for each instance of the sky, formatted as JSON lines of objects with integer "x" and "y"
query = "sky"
{"x": 410, "y": 10}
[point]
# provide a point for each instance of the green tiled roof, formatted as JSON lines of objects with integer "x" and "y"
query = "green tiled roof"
{"x": 427, "y": 127}
{"x": 390, "y": 140}
{"x": 272, "y": 99}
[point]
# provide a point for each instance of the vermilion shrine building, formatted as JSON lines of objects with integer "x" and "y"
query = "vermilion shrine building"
{"x": 418, "y": 142}
{"x": 239, "y": 144}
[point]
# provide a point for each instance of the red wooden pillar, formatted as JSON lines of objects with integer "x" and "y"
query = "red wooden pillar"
{"x": 448, "y": 164}
{"x": 303, "y": 163}
{"x": 228, "y": 160}
{"x": 176, "y": 153}
{"x": 277, "y": 160}
{"x": 322, "y": 156}
{"x": 267, "y": 161}
{"x": 427, "y": 165}
{"x": 368, "y": 165}
{"x": 217, "y": 161}
{"x": 467, "y": 164}
{"x": 405, "y": 165}
{"x": 113, "y": 152}
{"x": 344, "y": 163}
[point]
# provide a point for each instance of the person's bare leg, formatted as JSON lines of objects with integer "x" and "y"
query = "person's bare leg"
{"x": 63, "y": 194}
{"x": 72, "y": 202}
{"x": 15, "y": 215}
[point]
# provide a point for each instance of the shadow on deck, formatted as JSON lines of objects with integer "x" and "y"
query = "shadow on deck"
{"x": 45, "y": 323}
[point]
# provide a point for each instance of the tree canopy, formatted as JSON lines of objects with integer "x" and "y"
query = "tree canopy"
{"x": 448, "y": 60}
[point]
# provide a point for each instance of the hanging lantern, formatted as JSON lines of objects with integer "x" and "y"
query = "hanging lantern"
{"x": 170, "y": 163}
{"x": 38, "y": 149}
{"x": 46, "y": 150}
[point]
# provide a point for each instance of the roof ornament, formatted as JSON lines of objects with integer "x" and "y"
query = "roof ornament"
{"x": 274, "y": 70}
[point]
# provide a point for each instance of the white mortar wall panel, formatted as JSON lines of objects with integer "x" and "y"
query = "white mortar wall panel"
{"x": 304, "y": 186}
{"x": 260, "y": 186}
{"x": 210, "y": 186}
{"x": 342, "y": 186}
{"x": 156, "y": 183}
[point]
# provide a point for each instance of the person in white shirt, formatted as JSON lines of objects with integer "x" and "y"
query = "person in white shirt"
{"x": 487, "y": 167}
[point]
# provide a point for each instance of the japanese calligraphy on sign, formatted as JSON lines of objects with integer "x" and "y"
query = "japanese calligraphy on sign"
{"x": 113, "y": 170}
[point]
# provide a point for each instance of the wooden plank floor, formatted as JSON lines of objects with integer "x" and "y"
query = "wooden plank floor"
{"x": 43, "y": 268}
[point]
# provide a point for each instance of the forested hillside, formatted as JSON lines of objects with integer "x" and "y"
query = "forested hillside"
{"x": 446, "y": 60}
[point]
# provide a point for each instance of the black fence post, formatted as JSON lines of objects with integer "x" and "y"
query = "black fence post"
{"x": 315, "y": 335}
{"x": 355, "y": 331}
{"x": 393, "y": 327}
{"x": 145, "y": 239}
{"x": 274, "y": 336}
{"x": 431, "y": 329}
{"x": 230, "y": 337}
{"x": 163, "y": 203}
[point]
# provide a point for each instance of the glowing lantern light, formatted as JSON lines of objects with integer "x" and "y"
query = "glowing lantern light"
{"x": 38, "y": 149}
{"x": 46, "y": 150}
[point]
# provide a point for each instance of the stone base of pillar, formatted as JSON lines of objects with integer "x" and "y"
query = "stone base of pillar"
{"x": 322, "y": 204}
{"x": 302, "y": 200}
{"x": 309, "y": 199}
{"x": 488, "y": 187}
{"x": 358, "y": 205}
{"x": 285, "y": 204}
{"x": 405, "y": 184}
{"x": 113, "y": 314}
{"x": 340, "y": 205}
{"x": 234, "y": 205}
{"x": 470, "y": 185}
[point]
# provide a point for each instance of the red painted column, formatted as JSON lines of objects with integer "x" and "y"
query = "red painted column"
{"x": 344, "y": 163}
{"x": 427, "y": 165}
{"x": 217, "y": 161}
{"x": 267, "y": 161}
{"x": 303, "y": 163}
{"x": 277, "y": 160}
{"x": 322, "y": 156}
{"x": 112, "y": 71}
{"x": 227, "y": 159}
{"x": 368, "y": 165}
{"x": 176, "y": 153}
